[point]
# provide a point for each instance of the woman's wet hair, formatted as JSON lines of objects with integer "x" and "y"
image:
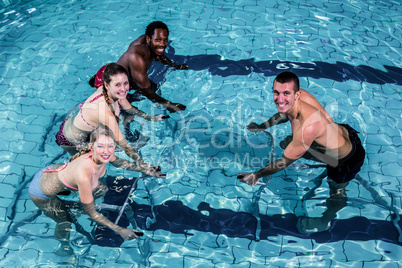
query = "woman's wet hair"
{"x": 150, "y": 30}
{"x": 287, "y": 77}
{"x": 100, "y": 130}
{"x": 111, "y": 70}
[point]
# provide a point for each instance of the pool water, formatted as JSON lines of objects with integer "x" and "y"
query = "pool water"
{"x": 347, "y": 53}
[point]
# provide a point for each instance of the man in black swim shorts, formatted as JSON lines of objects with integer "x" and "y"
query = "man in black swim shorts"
{"x": 314, "y": 135}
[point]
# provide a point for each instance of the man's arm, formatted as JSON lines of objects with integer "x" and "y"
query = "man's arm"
{"x": 271, "y": 168}
{"x": 300, "y": 144}
{"x": 164, "y": 60}
{"x": 274, "y": 167}
{"x": 139, "y": 75}
{"x": 274, "y": 120}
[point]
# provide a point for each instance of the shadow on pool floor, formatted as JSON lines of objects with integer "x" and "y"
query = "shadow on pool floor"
{"x": 175, "y": 217}
{"x": 338, "y": 71}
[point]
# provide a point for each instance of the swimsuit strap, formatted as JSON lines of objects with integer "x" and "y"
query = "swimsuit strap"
{"x": 93, "y": 169}
{"x": 94, "y": 99}
{"x": 60, "y": 169}
{"x": 68, "y": 185}
{"x": 88, "y": 124}
{"x": 48, "y": 170}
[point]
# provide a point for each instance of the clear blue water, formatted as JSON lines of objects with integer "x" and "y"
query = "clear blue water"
{"x": 347, "y": 53}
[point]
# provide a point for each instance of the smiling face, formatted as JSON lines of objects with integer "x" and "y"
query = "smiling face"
{"x": 285, "y": 96}
{"x": 103, "y": 149}
{"x": 158, "y": 42}
{"x": 118, "y": 86}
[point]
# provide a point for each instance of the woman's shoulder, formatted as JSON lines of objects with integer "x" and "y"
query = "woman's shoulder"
{"x": 95, "y": 102}
{"x": 80, "y": 165}
{"x": 96, "y": 96}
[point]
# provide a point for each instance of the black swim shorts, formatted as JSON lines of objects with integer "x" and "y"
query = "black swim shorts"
{"x": 350, "y": 165}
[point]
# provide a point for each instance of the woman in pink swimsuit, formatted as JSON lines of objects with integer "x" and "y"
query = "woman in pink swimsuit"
{"x": 103, "y": 106}
{"x": 82, "y": 174}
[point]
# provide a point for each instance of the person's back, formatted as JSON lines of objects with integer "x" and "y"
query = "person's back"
{"x": 137, "y": 50}
{"x": 330, "y": 138}
{"x": 94, "y": 110}
{"x": 310, "y": 99}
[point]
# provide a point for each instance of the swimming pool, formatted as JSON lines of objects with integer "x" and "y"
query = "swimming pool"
{"x": 347, "y": 53}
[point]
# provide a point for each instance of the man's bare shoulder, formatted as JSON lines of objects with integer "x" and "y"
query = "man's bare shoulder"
{"x": 135, "y": 52}
{"x": 311, "y": 115}
{"x": 310, "y": 99}
{"x": 137, "y": 49}
{"x": 307, "y": 97}
{"x": 140, "y": 41}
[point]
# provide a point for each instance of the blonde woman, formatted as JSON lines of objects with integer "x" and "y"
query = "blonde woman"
{"x": 81, "y": 174}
